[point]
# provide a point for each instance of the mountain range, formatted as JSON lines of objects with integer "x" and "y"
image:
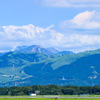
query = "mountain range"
{"x": 35, "y": 65}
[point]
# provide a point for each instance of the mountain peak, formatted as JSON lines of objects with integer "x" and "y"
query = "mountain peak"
{"x": 31, "y": 49}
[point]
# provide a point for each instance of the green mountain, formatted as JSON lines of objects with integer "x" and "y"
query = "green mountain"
{"x": 24, "y": 67}
{"x": 84, "y": 71}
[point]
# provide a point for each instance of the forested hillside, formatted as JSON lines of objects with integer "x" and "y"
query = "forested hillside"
{"x": 35, "y": 65}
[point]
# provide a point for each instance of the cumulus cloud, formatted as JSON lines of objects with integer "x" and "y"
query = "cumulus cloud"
{"x": 27, "y": 35}
{"x": 84, "y": 20}
{"x": 71, "y": 3}
{"x": 12, "y": 36}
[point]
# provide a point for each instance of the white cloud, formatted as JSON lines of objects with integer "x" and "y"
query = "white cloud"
{"x": 84, "y": 20}
{"x": 12, "y": 36}
{"x": 71, "y": 3}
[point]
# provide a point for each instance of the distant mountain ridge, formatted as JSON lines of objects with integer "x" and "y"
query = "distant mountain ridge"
{"x": 53, "y": 50}
{"x": 39, "y": 49}
{"x": 30, "y": 65}
{"x": 65, "y": 52}
{"x": 31, "y": 49}
{"x": 18, "y": 48}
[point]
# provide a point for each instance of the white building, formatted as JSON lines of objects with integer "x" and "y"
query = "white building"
{"x": 33, "y": 94}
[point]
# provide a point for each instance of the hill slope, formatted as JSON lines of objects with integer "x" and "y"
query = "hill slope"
{"x": 23, "y": 68}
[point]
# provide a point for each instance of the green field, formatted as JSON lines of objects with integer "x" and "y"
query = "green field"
{"x": 51, "y": 97}
{"x": 48, "y": 99}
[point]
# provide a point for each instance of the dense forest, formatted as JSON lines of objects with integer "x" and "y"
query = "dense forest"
{"x": 50, "y": 90}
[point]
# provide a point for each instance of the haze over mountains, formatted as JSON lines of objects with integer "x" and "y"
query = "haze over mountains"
{"x": 35, "y": 65}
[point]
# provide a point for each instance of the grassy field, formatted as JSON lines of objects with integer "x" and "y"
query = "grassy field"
{"x": 47, "y": 99}
{"x": 52, "y": 97}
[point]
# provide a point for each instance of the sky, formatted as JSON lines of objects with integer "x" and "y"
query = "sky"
{"x": 63, "y": 24}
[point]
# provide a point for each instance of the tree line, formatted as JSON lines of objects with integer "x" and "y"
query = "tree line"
{"x": 50, "y": 90}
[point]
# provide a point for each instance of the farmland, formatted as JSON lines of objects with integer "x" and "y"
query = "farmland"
{"x": 49, "y": 99}
{"x": 52, "y": 97}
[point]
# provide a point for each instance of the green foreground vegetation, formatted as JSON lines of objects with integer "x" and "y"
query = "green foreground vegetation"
{"x": 46, "y": 99}
{"x": 51, "y": 97}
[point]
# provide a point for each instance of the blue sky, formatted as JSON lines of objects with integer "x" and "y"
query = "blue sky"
{"x": 23, "y": 12}
{"x": 64, "y": 24}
